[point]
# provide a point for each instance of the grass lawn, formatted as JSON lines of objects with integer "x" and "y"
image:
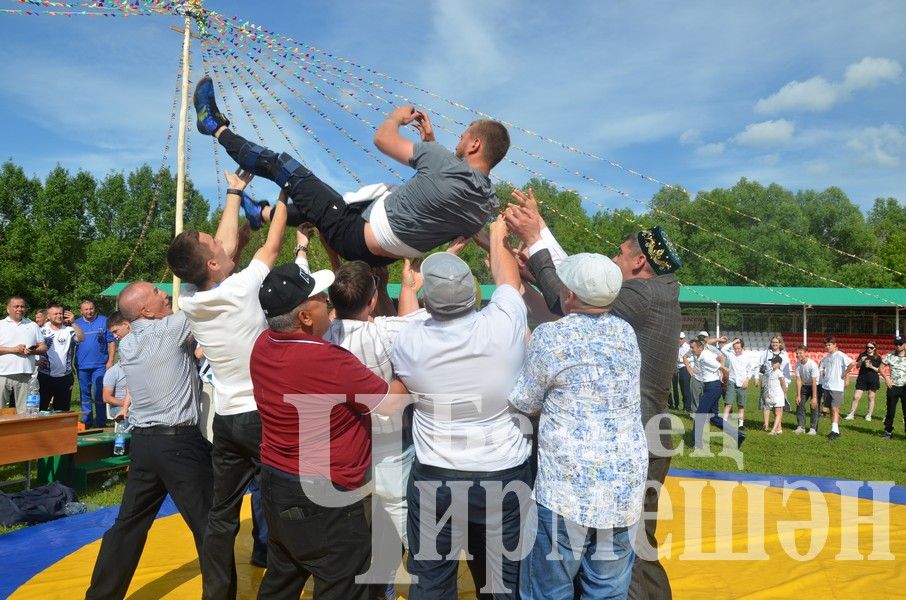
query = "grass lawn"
{"x": 859, "y": 454}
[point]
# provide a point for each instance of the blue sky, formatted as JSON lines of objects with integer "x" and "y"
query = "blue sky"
{"x": 806, "y": 95}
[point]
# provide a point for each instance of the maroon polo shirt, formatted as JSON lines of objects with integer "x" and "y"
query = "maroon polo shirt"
{"x": 314, "y": 399}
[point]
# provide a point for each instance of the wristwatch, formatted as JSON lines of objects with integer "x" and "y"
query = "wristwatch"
{"x": 300, "y": 248}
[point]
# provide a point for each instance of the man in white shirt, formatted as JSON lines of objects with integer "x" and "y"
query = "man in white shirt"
{"x": 20, "y": 341}
{"x": 834, "y": 369}
{"x": 807, "y": 390}
{"x": 60, "y": 332}
{"x": 460, "y": 365}
{"x": 355, "y": 295}
{"x": 226, "y": 318}
{"x": 681, "y": 377}
{"x": 740, "y": 373}
{"x": 708, "y": 368}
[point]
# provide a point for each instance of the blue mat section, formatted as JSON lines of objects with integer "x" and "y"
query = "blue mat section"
{"x": 29, "y": 551}
{"x": 825, "y": 484}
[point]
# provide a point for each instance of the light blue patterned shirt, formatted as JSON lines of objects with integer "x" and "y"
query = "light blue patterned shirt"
{"x": 582, "y": 372}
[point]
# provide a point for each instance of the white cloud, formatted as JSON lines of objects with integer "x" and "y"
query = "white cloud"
{"x": 882, "y": 146}
{"x": 766, "y": 133}
{"x": 817, "y": 167}
{"x": 707, "y": 150}
{"x": 690, "y": 137}
{"x": 815, "y": 94}
{"x": 769, "y": 160}
{"x": 869, "y": 72}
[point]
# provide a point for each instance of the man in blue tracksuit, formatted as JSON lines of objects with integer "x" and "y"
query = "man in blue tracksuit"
{"x": 94, "y": 355}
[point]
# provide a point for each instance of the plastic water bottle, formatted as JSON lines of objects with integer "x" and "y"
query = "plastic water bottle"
{"x": 119, "y": 439}
{"x": 33, "y": 398}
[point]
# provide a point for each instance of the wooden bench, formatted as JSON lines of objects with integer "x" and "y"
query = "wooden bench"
{"x": 80, "y": 472}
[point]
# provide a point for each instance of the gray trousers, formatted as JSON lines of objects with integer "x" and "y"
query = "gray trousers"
{"x": 17, "y": 387}
{"x": 697, "y": 388}
{"x": 805, "y": 394}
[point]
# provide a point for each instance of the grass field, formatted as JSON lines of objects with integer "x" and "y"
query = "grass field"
{"x": 859, "y": 454}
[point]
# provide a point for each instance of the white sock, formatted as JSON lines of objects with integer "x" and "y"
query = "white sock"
{"x": 835, "y": 427}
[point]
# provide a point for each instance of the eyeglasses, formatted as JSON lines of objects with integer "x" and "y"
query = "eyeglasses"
{"x": 870, "y": 347}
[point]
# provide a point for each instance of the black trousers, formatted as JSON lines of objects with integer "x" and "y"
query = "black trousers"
{"x": 685, "y": 388}
{"x": 333, "y": 544}
{"x": 894, "y": 393}
{"x": 235, "y": 460}
{"x": 177, "y": 464}
{"x": 649, "y": 579}
{"x": 313, "y": 200}
{"x": 55, "y": 391}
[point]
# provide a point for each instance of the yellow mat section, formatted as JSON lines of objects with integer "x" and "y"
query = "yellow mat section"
{"x": 720, "y": 539}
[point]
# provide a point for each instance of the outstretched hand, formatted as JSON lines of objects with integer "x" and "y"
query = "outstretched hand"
{"x": 239, "y": 179}
{"x": 404, "y": 114}
{"x": 411, "y": 276}
{"x": 457, "y": 245}
{"x": 423, "y": 124}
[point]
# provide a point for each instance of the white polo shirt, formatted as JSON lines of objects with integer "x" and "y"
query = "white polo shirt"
{"x": 707, "y": 366}
{"x": 226, "y": 321}
{"x": 25, "y": 332}
{"x": 462, "y": 371}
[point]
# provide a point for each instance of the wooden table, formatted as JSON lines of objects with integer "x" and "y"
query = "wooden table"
{"x": 24, "y": 438}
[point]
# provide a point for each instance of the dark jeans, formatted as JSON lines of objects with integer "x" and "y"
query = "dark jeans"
{"x": 805, "y": 398}
{"x": 707, "y": 412}
{"x": 91, "y": 384}
{"x": 333, "y": 544}
{"x": 56, "y": 391}
{"x": 649, "y": 579}
{"x": 176, "y": 464}
{"x": 894, "y": 393}
{"x": 485, "y": 517}
{"x": 313, "y": 200}
{"x": 235, "y": 462}
{"x": 685, "y": 389}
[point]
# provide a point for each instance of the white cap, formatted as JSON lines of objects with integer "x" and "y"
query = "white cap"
{"x": 682, "y": 335}
{"x": 593, "y": 278}
{"x": 703, "y": 334}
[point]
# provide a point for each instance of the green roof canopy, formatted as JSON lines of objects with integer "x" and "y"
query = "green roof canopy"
{"x": 722, "y": 294}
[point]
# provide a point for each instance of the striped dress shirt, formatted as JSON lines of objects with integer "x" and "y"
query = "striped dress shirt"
{"x": 160, "y": 368}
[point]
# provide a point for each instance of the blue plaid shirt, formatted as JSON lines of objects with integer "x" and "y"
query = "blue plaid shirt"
{"x": 582, "y": 372}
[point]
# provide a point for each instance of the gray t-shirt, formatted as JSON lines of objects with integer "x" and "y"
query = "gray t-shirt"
{"x": 446, "y": 198}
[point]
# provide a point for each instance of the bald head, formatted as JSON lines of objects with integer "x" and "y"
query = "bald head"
{"x": 142, "y": 300}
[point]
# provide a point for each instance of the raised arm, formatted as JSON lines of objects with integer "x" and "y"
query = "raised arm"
{"x": 409, "y": 286}
{"x": 228, "y": 228}
{"x": 504, "y": 268}
{"x": 388, "y": 138}
{"x": 268, "y": 252}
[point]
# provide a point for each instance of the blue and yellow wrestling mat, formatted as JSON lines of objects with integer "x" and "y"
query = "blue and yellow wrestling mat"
{"x": 723, "y": 535}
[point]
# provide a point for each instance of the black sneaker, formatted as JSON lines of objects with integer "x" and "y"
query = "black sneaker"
{"x": 833, "y": 435}
{"x": 208, "y": 116}
{"x": 740, "y": 438}
{"x": 887, "y": 435}
{"x": 742, "y": 427}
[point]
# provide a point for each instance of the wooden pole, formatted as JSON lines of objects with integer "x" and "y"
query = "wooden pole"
{"x": 181, "y": 147}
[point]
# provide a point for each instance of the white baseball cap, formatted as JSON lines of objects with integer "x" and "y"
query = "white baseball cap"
{"x": 593, "y": 278}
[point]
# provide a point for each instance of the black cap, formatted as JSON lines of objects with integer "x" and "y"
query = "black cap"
{"x": 899, "y": 340}
{"x": 287, "y": 286}
{"x": 776, "y": 360}
{"x": 659, "y": 251}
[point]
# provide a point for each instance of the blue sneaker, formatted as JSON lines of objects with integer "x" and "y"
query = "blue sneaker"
{"x": 254, "y": 210}
{"x": 208, "y": 116}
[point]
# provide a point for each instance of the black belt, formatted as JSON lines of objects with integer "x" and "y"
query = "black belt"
{"x": 165, "y": 430}
{"x": 455, "y": 474}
